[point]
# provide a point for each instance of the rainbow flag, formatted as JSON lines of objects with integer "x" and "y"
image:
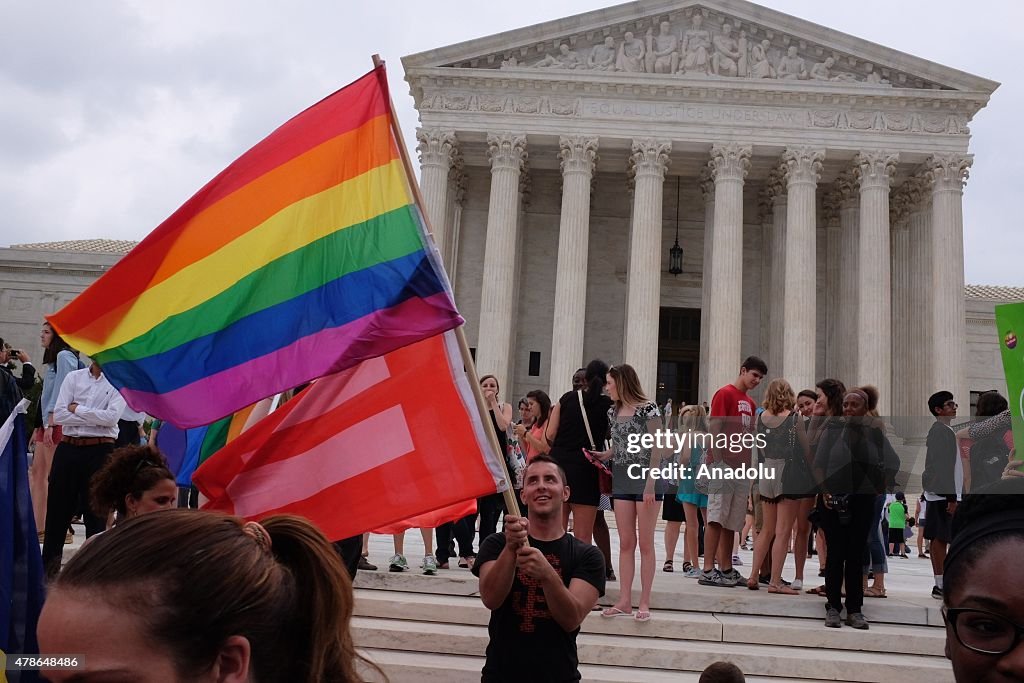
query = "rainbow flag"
{"x": 304, "y": 257}
{"x": 186, "y": 449}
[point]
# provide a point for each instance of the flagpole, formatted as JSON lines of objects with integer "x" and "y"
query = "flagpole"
{"x": 511, "y": 504}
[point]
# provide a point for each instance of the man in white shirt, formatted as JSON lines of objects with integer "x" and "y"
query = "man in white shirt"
{"x": 87, "y": 409}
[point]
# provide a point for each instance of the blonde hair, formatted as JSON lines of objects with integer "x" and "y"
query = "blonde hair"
{"x": 693, "y": 417}
{"x": 778, "y": 397}
{"x": 628, "y": 385}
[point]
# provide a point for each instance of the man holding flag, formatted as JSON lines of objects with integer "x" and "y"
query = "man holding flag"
{"x": 539, "y": 582}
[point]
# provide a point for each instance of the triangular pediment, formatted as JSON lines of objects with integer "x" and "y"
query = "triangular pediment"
{"x": 698, "y": 39}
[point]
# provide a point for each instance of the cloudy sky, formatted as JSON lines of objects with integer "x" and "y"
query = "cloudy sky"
{"x": 113, "y": 113}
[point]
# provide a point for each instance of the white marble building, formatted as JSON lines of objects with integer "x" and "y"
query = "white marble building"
{"x": 814, "y": 180}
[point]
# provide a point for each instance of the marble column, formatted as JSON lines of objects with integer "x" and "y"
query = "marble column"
{"x": 903, "y": 336}
{"x": 438, "y": 150}
{"x": 507, "y": 152}
{"x": 648, "y": 163}
{"x": 800, "y": 331}
{"x": 707, "y": 187}
{"x": 578, "y": 154}
{"x": 456, "y": 202}
{"x": 847, "y": 334}
{"x": 766, "y": 215}
{"x": 833, "y": 272}
{"x": 921, "y": 369}
{"x": 948, "y": 174}
{"x": 776, "y": 304}
{"x": 874, "y": 303}
{"x": 729, "y": 164}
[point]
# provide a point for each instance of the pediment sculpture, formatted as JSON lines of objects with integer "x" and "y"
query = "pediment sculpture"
{"x": 699, "y": 48}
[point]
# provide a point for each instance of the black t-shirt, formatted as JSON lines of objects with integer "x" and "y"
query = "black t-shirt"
{"x": 526, "y": 643}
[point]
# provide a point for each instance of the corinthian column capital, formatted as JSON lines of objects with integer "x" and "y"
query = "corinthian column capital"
{"x": 437, "y": 147}
{"x": 802, "y": 165}
{"x": 874, "y": 168}
{"x": 730, "y": 161}
{"x": 506, "y": 151}
{"x": 578, "y": 154}
{"x": 949, "y": 171}
{"x": 649, "y": 158}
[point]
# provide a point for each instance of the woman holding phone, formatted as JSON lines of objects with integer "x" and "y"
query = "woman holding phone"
{"x": 634, "y": 496}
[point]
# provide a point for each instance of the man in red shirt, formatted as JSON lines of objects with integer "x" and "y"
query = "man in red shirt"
{"x": 732, "y": 416}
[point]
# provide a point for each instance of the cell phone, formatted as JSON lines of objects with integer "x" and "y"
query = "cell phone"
{"x": 15, "y": 352}
{"x": 592, "y": 457}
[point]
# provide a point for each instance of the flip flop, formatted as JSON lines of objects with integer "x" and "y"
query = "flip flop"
{"x": 782, "y": 590}
{"x": 612, "y": 612}
{"x": 872, "y": 592}
{"x": 642, "y": 616}
{"x": 820, "y": 590}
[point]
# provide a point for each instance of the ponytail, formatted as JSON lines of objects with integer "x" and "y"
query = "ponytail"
{"x": 323, "y": 599}
{"x": 281, "y": 586}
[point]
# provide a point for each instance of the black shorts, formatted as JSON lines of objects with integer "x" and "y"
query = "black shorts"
{"x": 896, "y": 535}
{"x": 672, "y": 510}
{"x": 937, "y": 522}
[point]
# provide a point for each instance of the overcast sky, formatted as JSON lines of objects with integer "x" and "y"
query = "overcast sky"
{"x": 112, "y": 114}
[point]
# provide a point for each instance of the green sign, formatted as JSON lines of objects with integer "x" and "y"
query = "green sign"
{"x": 1010, "y": 326}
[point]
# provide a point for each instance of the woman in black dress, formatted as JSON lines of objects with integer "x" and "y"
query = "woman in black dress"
{"x": 567, "y": 434}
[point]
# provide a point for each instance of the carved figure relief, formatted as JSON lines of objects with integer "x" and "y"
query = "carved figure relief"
{"x": 662, "y": 50}
{"x": 631, "y": 54}
{"x": 703, "y": 48}
{"x": 602, "y": 57}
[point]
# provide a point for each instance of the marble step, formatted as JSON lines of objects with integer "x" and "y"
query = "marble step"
{"x": 678, "y": 593}
{"x": 644, "y": 652}
{"x": 676, "y": 625}
{"x": 416, "y": 667}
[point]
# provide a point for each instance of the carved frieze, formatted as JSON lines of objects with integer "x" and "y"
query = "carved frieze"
{"x": 606, "y": 108}
{"x": 698, "y": 43}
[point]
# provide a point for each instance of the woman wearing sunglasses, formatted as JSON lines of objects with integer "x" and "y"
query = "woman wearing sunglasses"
{"x": 135, "y": 480}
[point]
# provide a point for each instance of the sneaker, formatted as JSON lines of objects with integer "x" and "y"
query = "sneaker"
{"x": 736, "y": 560}
{"x": 365, "y": 565}
{"x": 429, "y": 565}
{"x": 397, "y": 564}
{"x": 709, "y": 577}
{"x": 936, "y": 592}
{"x": 733, "y": 577}
{"x": 856, "y": 620}
{"x": 832, "y": 619}
{"x": 797, "y": 584}
{"x": 692, "y": 573}
{"x": 764, "y": 579}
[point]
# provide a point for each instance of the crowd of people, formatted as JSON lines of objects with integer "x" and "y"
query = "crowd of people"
{"x": 248, "y": 597}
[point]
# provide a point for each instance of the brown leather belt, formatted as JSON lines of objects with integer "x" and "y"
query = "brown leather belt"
{"x": 87, "y": 440}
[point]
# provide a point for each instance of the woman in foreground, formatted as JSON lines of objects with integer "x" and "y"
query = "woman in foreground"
{"x": 183, "y": 595}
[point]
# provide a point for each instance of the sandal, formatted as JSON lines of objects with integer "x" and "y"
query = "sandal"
{"x": 873, "y": 592}
{"x": 612, "y": 612}
{"x": 610, "y": 575}
{"x": 752, "y": 584}
{"x": 782, "y": 590}
{"x": 820, "y": 590}
{"x": 668, "y": 567}
{"x": 642, "y": 616}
